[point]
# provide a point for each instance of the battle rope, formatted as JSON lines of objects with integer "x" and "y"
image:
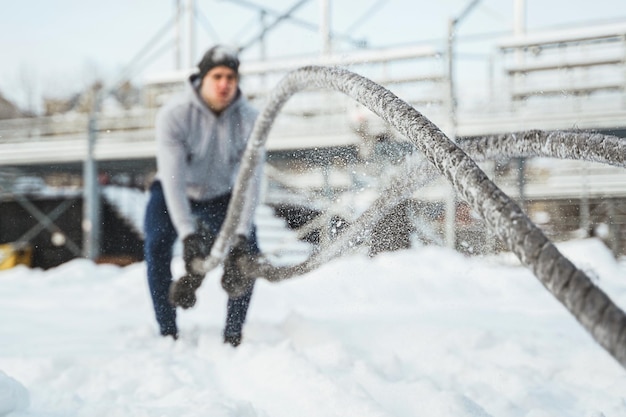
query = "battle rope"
{"x": 596, "y": 312}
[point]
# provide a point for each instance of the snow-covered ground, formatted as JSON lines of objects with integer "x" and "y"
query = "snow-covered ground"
{"x": 422, "y": 332}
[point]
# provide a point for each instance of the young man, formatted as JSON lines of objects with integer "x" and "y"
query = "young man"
{"x": 201, "y": 135}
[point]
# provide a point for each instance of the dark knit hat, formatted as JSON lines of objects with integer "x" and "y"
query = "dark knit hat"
{"x": 216, "y": 56}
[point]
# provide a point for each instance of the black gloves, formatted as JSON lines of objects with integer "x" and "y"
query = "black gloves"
{"x": 183, "y": 292}
{"x": 196, "y": 246}
{"x": 235, "y": 281}
{"x": 193, "y": 248}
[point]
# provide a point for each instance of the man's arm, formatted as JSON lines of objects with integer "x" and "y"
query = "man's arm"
{"x": 253, "y": 193}
{"x": 171, "y": 161}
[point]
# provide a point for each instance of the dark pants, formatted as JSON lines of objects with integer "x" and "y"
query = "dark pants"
{"x": 160, "y": 237}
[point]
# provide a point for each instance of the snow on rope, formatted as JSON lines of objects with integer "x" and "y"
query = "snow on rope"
{"x": 595, "y": 311}
{"x": 582, "y": 146}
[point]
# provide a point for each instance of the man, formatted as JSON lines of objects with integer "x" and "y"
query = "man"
{"x": 201, "y": 135}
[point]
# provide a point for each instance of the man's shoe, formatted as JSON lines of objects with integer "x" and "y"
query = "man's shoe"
{"x": 233, "y": 339}
{"x": 173, "y": 335}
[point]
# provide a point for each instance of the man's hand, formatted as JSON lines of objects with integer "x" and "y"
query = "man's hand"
{"x": 196, "y": 247}
{"x": 234, "y": 281}
{"x": 183, "y": 292}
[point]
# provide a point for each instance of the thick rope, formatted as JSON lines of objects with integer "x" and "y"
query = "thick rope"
{"x": 582, "y": 146}
{"x": 589, "y": 304}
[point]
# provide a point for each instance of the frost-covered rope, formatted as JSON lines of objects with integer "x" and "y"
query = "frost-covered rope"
{"x": 582, "y": 146}
{"x": 418, "y": 175}
{"x": 589, "y": 304}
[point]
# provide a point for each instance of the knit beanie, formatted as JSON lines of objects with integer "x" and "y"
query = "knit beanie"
{"x": 216, "y": 56}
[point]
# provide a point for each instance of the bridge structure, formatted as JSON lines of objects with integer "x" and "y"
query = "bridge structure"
{"x": 323, "y": 144}
{"x": 567, "y": 79}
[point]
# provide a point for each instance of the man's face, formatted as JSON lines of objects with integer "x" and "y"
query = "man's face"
{"x": 219, "y": 87}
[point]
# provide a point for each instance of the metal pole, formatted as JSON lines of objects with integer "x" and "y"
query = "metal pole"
{"x": 451, "y": 82}
{"x": 520, "y": 17}
{"x": 585, "y": 212}
{"x": 177, "y": 48}
{"x": 325, "y": 26}
{"x": 450, "y": 232}
{"x": 91, "y": 201}
{"x": 521, "y": 181}
{"x": 519, "y": 28}
{"x": 614, "y": 235}
{"x": 192, "y": 33}
{"x": 263, "y": 49}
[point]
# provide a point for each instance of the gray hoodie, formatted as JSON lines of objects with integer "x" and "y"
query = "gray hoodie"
{"x": 199, "y": 153}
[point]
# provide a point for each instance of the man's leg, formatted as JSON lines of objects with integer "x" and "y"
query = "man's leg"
{"x": 236, "y": 311}
{"x": 160, "y": 236}
{"x": 237, "y": 307}
{"x": 213, "y": 213}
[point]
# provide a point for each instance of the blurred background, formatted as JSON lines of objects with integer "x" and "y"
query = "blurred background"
{"x": 80, "y": 82}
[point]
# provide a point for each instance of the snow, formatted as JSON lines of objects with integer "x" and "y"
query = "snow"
{"x": 420, "y": 332}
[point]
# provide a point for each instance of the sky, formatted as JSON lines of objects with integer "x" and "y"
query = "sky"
{"x": 53, "y": 48}
{"x": 420, "y": 332}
